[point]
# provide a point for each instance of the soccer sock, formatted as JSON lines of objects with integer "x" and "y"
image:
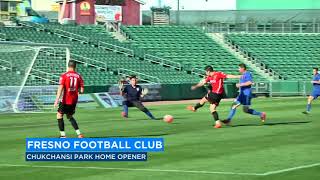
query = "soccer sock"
{"x": 78, "y": 132}
{"x": 74, "y": 124}
{"x": 198, "y": 105}
{"x": 308, "y": 107}
{"x": 232, "y": 113}
{"x": 215, "y": 116}
{"x": 253, "y": 112}
{"x": 125, "y": 109}
{"x": 148, "y": 113}
{"x": 61, "y": 127}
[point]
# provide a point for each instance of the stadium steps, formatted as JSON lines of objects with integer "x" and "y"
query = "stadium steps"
{"x": 219, "y": 38}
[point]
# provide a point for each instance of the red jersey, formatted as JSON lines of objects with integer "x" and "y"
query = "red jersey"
{"x": 216, "y": 81}
{"x": 71, "y": 82}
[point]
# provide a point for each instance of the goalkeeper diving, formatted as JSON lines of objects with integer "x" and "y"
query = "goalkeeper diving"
{"x": 133, "y": 94}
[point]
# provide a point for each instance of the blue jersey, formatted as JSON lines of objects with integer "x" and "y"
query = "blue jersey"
{"x": 246, "y": 76}
{"x": 132, "y": 93}
{"x": 316, "y": 87}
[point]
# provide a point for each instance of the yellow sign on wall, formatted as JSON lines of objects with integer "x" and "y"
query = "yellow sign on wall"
{"x": 85, "y": 8}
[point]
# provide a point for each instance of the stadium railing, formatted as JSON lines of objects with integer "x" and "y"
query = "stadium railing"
{"x": 53, "y": 78}
{"x": 162, "y": 61}
{"x": 33, "y": 25}
{"x": 282, "y": 88}
{"x": 116, "y": 48}
{"x": 89, "y": 61}
{"x": 71, "y": 35}
{"x": 263, "y": 28}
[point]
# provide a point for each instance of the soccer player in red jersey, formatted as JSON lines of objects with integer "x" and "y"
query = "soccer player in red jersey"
{"x": 216, "y": 79}
{"x": 69, "y": 84}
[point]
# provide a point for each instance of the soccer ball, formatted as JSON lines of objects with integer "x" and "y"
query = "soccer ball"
{"x": 168, "y": 118}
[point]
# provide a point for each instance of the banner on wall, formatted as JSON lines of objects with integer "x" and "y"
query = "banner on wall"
{"x": 108, "y": 13}
{"x": 85, "y": 8}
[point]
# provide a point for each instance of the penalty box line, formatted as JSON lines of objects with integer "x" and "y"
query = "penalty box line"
{"x": 167, "y": 170}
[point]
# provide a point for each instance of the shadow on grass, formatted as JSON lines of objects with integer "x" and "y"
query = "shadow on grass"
{"x": 273, "y": 123}
{"x": 137, "y": 135}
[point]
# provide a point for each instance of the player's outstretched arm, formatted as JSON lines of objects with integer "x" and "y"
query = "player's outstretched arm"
{"x": 315, "y": 82}
{"x": 200, "y": 84}
{"x": 229, "y": 76}
{"x": 59, "y": 92}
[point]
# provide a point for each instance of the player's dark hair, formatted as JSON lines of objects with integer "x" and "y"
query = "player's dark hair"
{"x": 132, "y": 76}
{"x": 208, "y": 68}
{"x": 72, "y": 64}
{"x": 243, "y": 66}
{"x": 317, "y": 69}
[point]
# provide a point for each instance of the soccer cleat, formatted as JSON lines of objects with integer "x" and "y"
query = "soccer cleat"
{"x": 263, "y": 117}
{"x": 80, "y": 136}
{"x": 306, "y": 112}
{"x": 124, "y": 115}
{"x": 226, "y": 122}
{"x": 63, "y": 137}
{"x": 191, "y": 108}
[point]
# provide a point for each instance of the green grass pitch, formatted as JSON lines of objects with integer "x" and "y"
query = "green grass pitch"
{"x": 287, "y": 147}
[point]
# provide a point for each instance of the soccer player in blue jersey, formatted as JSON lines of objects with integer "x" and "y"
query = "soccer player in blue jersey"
{"x": 316, "y": 89}
{"x": 132, "y": 94}
{"x": 245, "y": 96}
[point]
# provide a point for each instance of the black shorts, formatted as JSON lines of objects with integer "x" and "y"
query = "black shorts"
{"x": 67, "y": 109}
{"x": 214, "y": 98}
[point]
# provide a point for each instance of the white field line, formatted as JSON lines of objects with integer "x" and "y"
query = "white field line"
{"x": 291, "y": 169}
{"x": 130, "y": 169}
{"x": 167, "y": 170}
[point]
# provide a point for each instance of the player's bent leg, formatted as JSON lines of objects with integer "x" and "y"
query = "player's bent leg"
{"x": 215, "y": 116}
{"x": 308, "y": 109}
{"x": 200, "y": 104}
{"x": 74, "y": 125}
{"x": 142, "y": 108}
{"x": 125, "y": 110}
{"x": 262, "y": 115}
{"x": 232, "y": 112}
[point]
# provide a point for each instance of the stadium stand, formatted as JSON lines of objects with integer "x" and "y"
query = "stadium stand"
{"x": 290, "y": 55}
{"x": 183, "y": 44}
{"x": 84, "y": 51}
